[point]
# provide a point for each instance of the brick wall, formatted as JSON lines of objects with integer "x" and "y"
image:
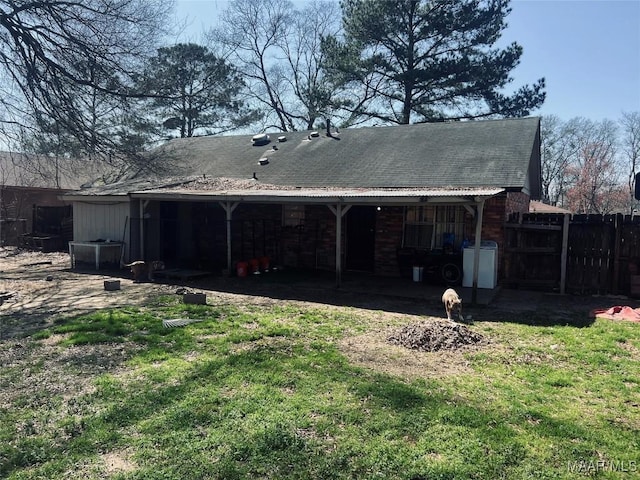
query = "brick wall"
{"x": 389, "y": 222}
{"x": 311, "y": 244}
{"x": 517, "y": 202}
{"x": 255, "y": 232}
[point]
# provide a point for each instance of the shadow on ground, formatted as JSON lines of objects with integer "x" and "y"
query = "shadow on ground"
{"x": 57, "y": 290}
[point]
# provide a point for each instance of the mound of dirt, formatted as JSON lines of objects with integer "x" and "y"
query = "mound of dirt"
{"x": 435, "y": 336}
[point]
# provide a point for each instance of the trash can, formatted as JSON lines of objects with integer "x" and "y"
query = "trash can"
{"x": 417, "y": 273}
{"x": 487, "y": 265}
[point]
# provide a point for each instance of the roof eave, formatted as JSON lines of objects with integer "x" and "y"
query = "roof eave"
{"x": 345, "y": 197}
{"x": 74, "y": 197}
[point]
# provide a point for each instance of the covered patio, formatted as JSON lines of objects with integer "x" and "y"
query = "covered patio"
{"x": 338, "y": 202}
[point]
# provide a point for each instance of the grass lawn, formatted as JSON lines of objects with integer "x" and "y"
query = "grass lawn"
{"x": 266, "y": 392}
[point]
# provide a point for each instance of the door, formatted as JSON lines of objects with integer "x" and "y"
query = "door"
{"x": 168, "y": 230}
{"x": 360, "y": 238}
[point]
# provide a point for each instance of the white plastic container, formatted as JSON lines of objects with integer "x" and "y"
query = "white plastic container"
{"x": 487, "y": 266}
{"x": 417, "y": 273}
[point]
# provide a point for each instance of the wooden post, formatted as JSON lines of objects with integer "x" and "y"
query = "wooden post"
{"x": 617, "y": 247}
{"x": 229, "y": 208}
{"x": 339, "y": 211}
{"x": 338, "y": 245}
{"x": 476, "y": 252}
{"x": 142, "y": 204}
{"x": 565, "y": 253}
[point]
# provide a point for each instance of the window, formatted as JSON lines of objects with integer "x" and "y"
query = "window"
{"x": 292, "y": 215}
{"x": 431, "y": 227}
{"x": 418, "y": 229}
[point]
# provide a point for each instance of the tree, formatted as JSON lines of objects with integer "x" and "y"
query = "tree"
{"x": 54, "y": 151}
{"x": 313, "y": 94}
{"x": 594, "y": 177}
{"x": 192, "y": 89}
{"x": 559, "y": 148}
{"x": 277, "y": 49}
{"x": 428, "y": 60}
{"x": 54, "y": 54}
{"x": 630, "y": 124}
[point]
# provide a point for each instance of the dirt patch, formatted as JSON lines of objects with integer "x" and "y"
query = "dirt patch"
{"x": 374, "y": 351}
{"x": 118, "y": 462}
{"x": 36, "y": 288}
{"x": 435, "y": 336}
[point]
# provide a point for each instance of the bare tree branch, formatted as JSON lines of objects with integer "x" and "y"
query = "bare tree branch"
{"x": 54, "y": 53}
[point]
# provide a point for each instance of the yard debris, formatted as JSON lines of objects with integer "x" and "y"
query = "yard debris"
{"x": 33, "y": 264}
{"x": 179, "y": 322}
{"x": 434, "y": 336}
{"x": 6, "y": 296}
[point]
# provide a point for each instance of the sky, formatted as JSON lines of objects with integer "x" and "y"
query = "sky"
{"x": 588, "y": 51}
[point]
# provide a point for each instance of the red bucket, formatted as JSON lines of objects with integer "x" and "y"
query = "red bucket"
{"x": 254, "y": 263}
{"x": 264, "y": 264}
{"x": 242, "y": 268}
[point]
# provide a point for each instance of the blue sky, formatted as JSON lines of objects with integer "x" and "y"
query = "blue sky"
{"x": 587, "y": 50}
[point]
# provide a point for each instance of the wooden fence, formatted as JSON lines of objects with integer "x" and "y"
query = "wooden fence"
{"x": 578, "y": 254}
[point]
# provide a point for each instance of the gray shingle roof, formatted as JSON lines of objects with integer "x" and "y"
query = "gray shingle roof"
{"x": 15, "y": 172}
{"x": 490, "y": 153}
{"x": 30, "y": 170}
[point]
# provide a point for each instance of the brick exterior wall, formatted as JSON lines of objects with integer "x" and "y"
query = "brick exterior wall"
{"x": 517, "y": 202}
{"x": 389, "y": 222}
{"x": 258, "y": 230}
{"x": 255, "y": 233}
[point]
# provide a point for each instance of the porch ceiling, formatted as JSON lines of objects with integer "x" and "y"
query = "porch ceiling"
{"x": 317, "y": 196}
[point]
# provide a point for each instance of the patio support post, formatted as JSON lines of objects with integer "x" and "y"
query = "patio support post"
{"x": 229, "y": 208}
{"x": 476, "y": 251}
{"x": 339, "y": 212}
{"x": 143, "y": 204}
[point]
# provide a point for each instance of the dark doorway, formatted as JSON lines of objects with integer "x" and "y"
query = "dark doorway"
{"x": 209, "y": 233}
{"x": 168, "y": 233}
{"x": 361, "y": 234}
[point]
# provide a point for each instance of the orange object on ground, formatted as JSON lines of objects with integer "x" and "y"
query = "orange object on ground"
{"x": 618, "y": 313}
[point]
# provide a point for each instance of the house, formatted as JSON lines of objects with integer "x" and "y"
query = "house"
{"x": 537, "y": 206}
{"x": 30, "y": 202}
{"x": 375, "y": 199}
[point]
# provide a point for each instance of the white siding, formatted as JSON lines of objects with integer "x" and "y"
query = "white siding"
{"x": 106, "y": 221}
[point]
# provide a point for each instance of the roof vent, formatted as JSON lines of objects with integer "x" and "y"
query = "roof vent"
{"x": 260, "y": 139}
{"x": 282, "y": 138}
{"x": 263, "y": 161}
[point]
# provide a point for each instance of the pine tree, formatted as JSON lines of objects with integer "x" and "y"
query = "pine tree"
{"x": 429, "y": 60}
